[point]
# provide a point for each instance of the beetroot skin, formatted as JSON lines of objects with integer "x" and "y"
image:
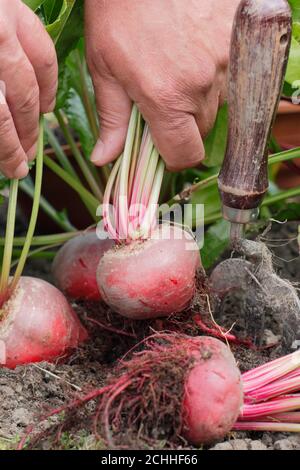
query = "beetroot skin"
{"x": 74, "y": 267}
{"x": 150, "y": 278}
{"x": 213, "y": 395}
{"x": 38, "y": 324}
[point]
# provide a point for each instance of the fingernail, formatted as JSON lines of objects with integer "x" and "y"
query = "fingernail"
{"x": 31, "y": 153}
{"x": 98, "y": 153}
{"x": 21, "y": 171}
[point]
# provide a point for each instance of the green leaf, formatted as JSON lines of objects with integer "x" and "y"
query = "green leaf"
{"x": 34, "y": 4}
{"x": 4, "y": 182}
{"x": 215, "y": 143}
{"x": 295, "y": 6}
{"x": 216, "y": 241}
{"x": 55, "y": 29}
{"x": 291, "y": 211}
{"x": 71, "y": 30}
{"x": 78, "y": 121}
{"x": 51, "y": 10}
{"x": 209, "y": 197}
{"x": 64, "y": 83}
{"x": 292, "y": 78}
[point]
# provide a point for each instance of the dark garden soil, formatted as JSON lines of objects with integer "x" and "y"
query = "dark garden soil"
{"x": 27, "y": 393}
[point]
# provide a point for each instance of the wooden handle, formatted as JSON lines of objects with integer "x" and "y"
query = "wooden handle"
{"x": 259, "y": 52}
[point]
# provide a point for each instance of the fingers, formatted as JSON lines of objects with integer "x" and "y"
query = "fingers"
{"x": 13, "y": 160}
{"x": 207, "y": 113}
{"x": 114, "y": 108}
{"x": 22, "y": 94}
{"x": 177, "y": 139}
{"x": 41, "y": 53}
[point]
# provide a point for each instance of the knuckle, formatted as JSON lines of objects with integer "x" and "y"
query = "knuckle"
{"x": 5, "y": 123}
{"x": 50, "y": 60}
{"x": 30, "y": 100}
{"x": 30, "y": 140}
{"x": 10, "y": 161}
{"x": 4, "y": 31}
{"x": 179, "y": 123}
{"x": 160, "y": 94}
{"x": 207, "y": 76}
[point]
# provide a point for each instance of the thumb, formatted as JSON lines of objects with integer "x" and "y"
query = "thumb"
{"x": 114, "y": 108}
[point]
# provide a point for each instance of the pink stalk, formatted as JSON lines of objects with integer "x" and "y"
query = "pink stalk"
{"x": 270, "y": 372}
{"x": 139, "y": 180}
{"x": 116, "y": 205}
{"x": 108, "y": 224}
{"x": 288, "y": 417}
{"x": 144, "y": 156}
{"x": 151, "y": 172}
{"x": 137, "y": 146}
{"x": 149, "y": 221}
{"x": 266, "y": 426}
{"x": 269, "y": 404}
{"x": 135, "y": 183}
{"x": 260, "y": 370}
{"x": 124, "y": 174}
{"x": 278, "y": 405}
{"x": 276, "y": 388}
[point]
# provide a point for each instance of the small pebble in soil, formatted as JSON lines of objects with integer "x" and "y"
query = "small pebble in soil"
{"x": 240, "y": 444}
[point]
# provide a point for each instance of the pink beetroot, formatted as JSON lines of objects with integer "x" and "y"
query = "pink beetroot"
{"x": 176, "y": 387}
{"x": 37, "y": 324}
{"x": 151, "y": 272}
{"x": 150, "y": 278}
{"x": 213, "y": 395}
{"x": 74, "y": 267}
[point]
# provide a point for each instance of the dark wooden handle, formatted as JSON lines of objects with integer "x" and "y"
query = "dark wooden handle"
{"x": 259, "y": 51}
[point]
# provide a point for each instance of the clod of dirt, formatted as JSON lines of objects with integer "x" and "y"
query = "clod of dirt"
{"x": 240, "y": 444}
{"x": 248, "y": 294}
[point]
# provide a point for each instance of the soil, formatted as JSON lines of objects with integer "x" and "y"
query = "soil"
{"x": 27, "y": 393}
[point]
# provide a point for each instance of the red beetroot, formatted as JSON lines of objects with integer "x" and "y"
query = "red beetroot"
{"x": 178, "y": 386}
{"x": 150, "y": 278}
{"x": 37, "y": 324}
{"x": 74, "y": 267}
{"x": 213, "y": 394}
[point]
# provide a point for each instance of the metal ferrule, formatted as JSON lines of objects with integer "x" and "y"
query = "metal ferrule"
{"x": 240, "y": 216}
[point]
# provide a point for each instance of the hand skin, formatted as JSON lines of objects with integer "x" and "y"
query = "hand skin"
{"x": 28, "y": 83}
{"x": 168, "y": 56}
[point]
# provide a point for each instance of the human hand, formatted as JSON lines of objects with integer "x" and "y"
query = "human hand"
{"x": 170, "y": 57}
{"x": 28, "y": 83}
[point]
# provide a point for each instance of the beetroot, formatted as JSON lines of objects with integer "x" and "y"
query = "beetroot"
{"x": 176, "y": 387}
{"x": 37, "y": 324}
{"x": 213, "y": 394}
{"x": 150, "y": 278}
{"x": 74, "y": 267}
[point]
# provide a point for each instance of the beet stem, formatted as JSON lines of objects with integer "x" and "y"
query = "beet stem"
{"x": 34, "y": 211}
{"x": 9, "y": 237}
